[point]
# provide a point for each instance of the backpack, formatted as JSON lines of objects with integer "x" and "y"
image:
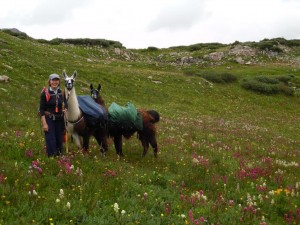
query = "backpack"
{"x": 47, "y": 99}
{"x": 94, "y": 114}
{"x": 46, "y": 90}
{"x": 125, "y": 117}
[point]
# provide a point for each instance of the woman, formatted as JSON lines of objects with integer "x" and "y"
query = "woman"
{"x": 51, "y": 110}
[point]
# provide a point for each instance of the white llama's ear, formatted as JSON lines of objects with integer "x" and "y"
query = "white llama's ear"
{"x": 74, "y": 74}
{"x": 64, "y": 74}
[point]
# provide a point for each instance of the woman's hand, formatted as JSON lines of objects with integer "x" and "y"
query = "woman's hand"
{"x": 44, "y": 124}
{"x": 45, "y": 127}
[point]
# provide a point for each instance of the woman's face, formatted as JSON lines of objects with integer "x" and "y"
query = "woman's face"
{"x": 54, "y": 83}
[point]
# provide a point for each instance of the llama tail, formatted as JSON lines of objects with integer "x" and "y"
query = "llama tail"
{"x": 155, "y": 115}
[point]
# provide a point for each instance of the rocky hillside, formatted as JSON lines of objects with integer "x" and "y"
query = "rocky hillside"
{"x": 277, "y": 50}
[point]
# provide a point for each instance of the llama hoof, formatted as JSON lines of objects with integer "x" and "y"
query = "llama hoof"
{"x": 85, "y": 151}
{"x": 120, "y": 156}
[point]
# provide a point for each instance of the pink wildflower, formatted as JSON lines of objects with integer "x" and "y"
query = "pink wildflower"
{"x": 191, "y": 216}
{"x": 18, "y": 133}
{"x": 110, "y": 173}
{"x": 29, "y": 153}
{"x": 202, "y": 219}
{"x": 35, "y": 165}
{"x": 2, "y": 178}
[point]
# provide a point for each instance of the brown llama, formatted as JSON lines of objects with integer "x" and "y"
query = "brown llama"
{"x": 147, "y": 135}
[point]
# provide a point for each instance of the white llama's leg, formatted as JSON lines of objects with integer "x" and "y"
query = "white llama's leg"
{"x": 77, "y": 140}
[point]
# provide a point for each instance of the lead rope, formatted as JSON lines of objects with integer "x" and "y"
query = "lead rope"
{"x": 65, "y": 130}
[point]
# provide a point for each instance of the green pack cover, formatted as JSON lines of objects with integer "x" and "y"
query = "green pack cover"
{"x": 125, "y": 116}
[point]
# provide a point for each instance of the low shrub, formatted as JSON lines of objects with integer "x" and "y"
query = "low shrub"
{"x": 260, "y": 87}
{"x": 285, "y": 78}
{"x": 267, "y": 79}
{"x": 219, "y": 77}
{"x": 151, "y": 48}
{"x": 269, "y": 85}
{"x": 87, "y": 41}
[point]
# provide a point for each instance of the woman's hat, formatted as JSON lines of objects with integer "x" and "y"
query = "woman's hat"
{"x": 54, "y": 76}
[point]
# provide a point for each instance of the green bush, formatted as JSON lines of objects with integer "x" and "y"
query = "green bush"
{"x": 151, "y": 48}
{"x": 286, "y": 90}
{"x": 86, "y": 41}
{"x": 285, "y": 78}
{"x": 16, "y": 33}
{"x": 260, "y": 87}
{"x": 219, "y": 77}
{"x": 269, "y": 85}
{"x": 267, "y": 79}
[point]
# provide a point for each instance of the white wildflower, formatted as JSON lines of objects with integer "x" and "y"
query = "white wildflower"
{"x": 61, "y": 193}
{"x": 68, "y": 205}
{"x": 116, "y": 207}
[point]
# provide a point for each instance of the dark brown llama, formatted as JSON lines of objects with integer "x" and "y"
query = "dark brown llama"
{"x": 147, "y": 135}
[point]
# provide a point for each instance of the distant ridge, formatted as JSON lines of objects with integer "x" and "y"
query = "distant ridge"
{"x": 273, "y": 45}
{"x": 74, "y": 41}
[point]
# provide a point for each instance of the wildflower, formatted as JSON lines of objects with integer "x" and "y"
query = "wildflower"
{"x": 116, "y": 207}
{"x": 68, "y": 205}
{"x": 57, "y": 200}
{"x": 292, "y": 193}
{"x": 79, "y": 172}
{"x": 61, "y": 193}
{"x": 34, "y": 192}
{"x": 145, "y": 196}
{"x": 123, "y": 212}
{"x": 278, "y": 191}
{"x": 2, "y": 178}
{"x": 191, "y": 215}
{"x": 29, "y": 153}
{"x": 35, "y": 165}
{"x": 231, "y": 203}
{"x": 286, "y": 191}
{"x": 183, "y": 216}
{"x": 272, "y": 201}
{"x": 18, "y": 133}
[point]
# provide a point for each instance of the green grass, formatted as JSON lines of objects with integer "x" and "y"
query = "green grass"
{"x": 227, "y": 155}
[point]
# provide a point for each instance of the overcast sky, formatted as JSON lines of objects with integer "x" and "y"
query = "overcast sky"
{"x": 158, "y": 23}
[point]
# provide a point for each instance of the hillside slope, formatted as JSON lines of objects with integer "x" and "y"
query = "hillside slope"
{"x": 217, "y": 139}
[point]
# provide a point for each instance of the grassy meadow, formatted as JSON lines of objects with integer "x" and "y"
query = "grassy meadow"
{"x": 227, "y": 155}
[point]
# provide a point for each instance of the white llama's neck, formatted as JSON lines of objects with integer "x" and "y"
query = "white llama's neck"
{"x": 73, "y": 112}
